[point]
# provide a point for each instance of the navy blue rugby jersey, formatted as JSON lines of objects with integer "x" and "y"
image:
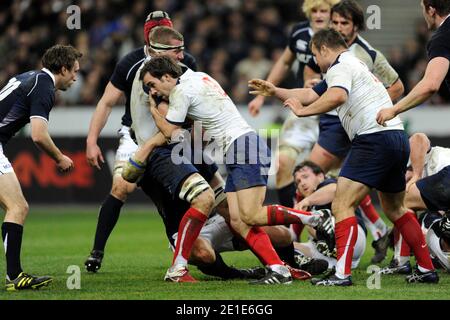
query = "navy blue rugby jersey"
{"x": 439, "y": 46}
{"x": 27, "y": 95}
{"x": 125, "y": 71}
{"x": 299, "y": 39}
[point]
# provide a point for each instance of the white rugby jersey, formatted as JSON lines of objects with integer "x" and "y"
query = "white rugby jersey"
{"x": 366, "y": 96}
{"x": 142, "y": 121}
{"x": 199, "y": 97}
{"x": 435, "y": 160}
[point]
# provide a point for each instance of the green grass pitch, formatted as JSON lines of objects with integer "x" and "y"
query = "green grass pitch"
{"x": 137, "y": 257}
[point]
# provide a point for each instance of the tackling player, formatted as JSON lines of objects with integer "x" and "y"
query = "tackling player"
{"x": 120, "y": 84}
{"x": 29, "y": 98}
{"x": 192, "y": 95}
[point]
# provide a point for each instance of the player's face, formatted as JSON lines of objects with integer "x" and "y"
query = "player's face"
{"x": 69, "y": 76}
{"x": 320, "y": 17}
{"x": 176, "y": 54}
{"x": 344, "y": 26}
{"x": 307, "y": 181}
{"x": 159, "y": 87}
{"x": 321, "y": 60}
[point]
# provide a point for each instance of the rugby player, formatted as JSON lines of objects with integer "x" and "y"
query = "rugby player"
{"x": 29, "y": 98}
{"x": 378, "y": 155}
{"x": 436, "y": 14}
{"x": 120, "y": 85}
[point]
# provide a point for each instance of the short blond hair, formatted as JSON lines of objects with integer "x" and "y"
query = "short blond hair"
{"x": 309, "y": 5}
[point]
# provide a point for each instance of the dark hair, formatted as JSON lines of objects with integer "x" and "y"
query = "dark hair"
{"x": 351, "y": 10}
{"x": 60, "y": 56}
{"x": 161, "y": 65}
{"x": 442, "y": 6}
{"x": 329, "y": 38}
{"x": 314, "y": 167}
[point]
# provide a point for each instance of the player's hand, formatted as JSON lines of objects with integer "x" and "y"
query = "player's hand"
{"x": 303, "y": 205}
{"x": 385, "y": 115}
{"x": 94, "y": 155}
{"x": 64, "y": 164}
{"x": 295, "y": 105}
{"x": 133, "y": 170}
{"x": 255, "y": 105}
{"x": 311, "y": 82}
{"x": 261, "y": 87}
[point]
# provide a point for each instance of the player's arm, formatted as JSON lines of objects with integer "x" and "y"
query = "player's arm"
{"x": 276, "y": 76}
{"x": 419, "y": 145}
{"x": 435, "y": 74}
{"x": 330, "y": 100}
{"x": 110, "y": 97}
{"x": 167, "y": 129}
{"x": 268, "y": 89}
{"x": 320, "y": 197}
{"x": 310, "y": 76}
{"x": 41, "y": 137}
{"x": 396, "y": 90}
{"x": 388, "y": 76}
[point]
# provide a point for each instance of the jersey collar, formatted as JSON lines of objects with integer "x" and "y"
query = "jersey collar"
{"x": 50, "y": 74}
{"x": 443, "y": 21}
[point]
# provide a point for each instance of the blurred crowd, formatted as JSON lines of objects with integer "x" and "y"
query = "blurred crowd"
{"x": 232, "y": 40}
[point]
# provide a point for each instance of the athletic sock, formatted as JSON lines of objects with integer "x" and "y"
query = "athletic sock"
{"x": 12, "y": 242}
{"x": 188, "y": 231}
{"x": 411, "y": 232}
{"x": 107, "y": 219}
{"x": 220, "y": 269}
{"x": 279, "y": 215}
{"x": 287, "y": 254}
{"x": 286, "y": 195}
{"x": 346, "y": 235}
{"x": 260, "y": 244}
{"x": 372, "y": 219}
{"x": 401, "y": 249}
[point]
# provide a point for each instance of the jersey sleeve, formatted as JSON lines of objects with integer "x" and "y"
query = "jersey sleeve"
{"x": 320, "y": 88}
{"x": 118, "y": 78}
{"x": 42, "y": 99}
{"x": 178, "y": 107}
{"x": 439, "y": 48}
{"x": 384, "y": 71}
{"x": 339, "y": 76}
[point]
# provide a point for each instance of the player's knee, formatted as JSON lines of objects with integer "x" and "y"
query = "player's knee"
{"x": 285, "y": 167}
{"x": 249, "y": 217}
{"x": 19, "y": 210}
{"x": 204, "y": 201}
{"x": 121, "y": 189}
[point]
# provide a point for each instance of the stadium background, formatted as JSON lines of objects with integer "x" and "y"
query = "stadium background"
{"x": 232, "y": 40}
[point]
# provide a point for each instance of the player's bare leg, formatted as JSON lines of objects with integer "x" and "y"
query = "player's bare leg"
{"x": 16, "y": 207}
{"x": 409, "y": 228}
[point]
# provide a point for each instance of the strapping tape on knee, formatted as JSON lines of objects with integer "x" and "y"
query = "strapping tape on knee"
{"x": 219, "y": 194}
{"x": 192, "y": 189}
